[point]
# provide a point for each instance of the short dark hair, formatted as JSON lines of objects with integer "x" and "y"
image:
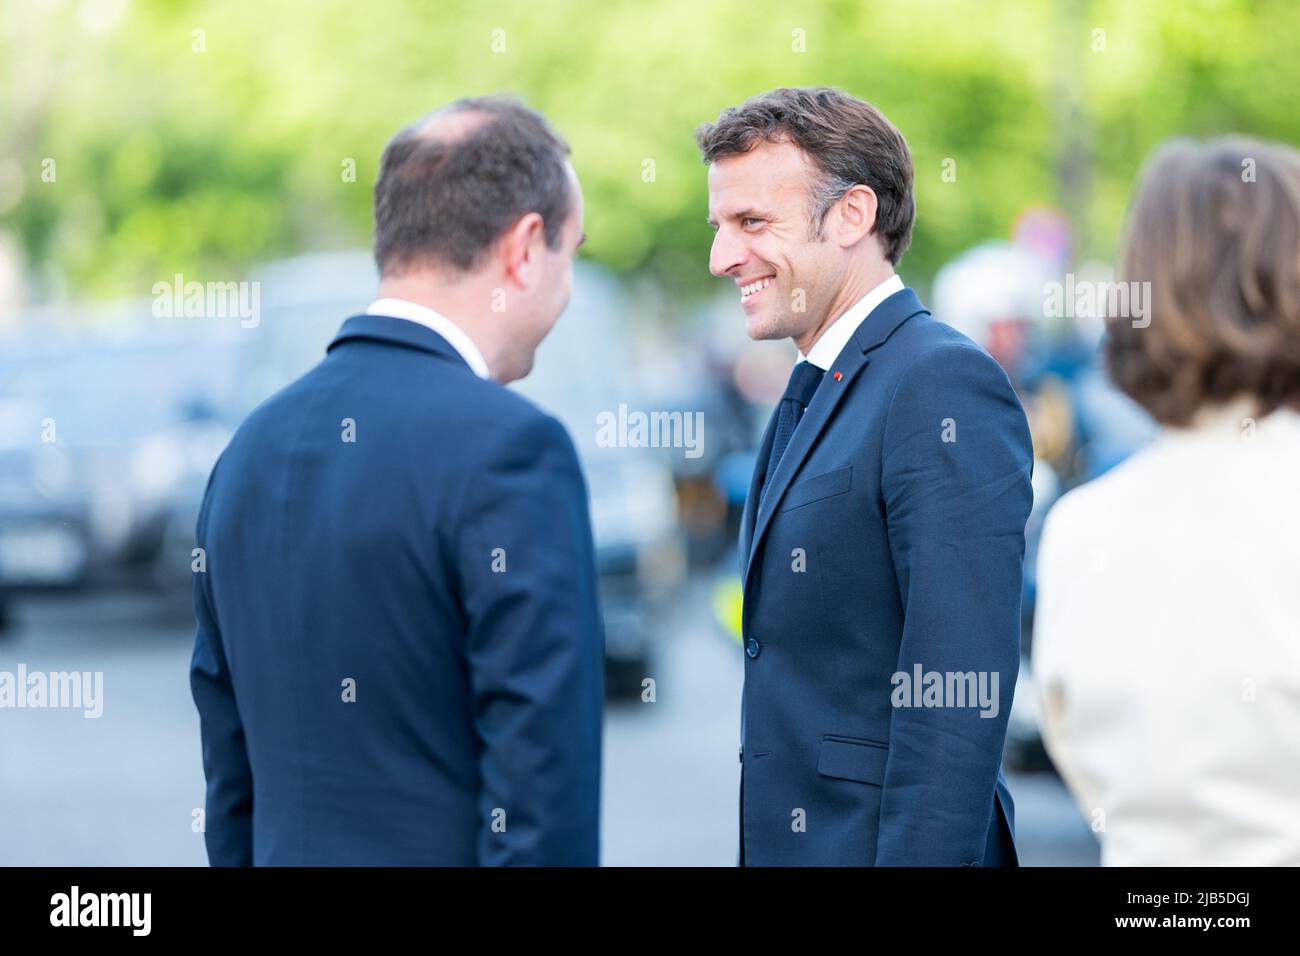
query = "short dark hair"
{"x": 1215, "y": 229}
{"x": 850, "y": 141}
{"x": 444, "y": 200}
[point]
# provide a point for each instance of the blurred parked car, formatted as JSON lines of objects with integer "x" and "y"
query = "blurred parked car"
{"x": 101, "y": 442}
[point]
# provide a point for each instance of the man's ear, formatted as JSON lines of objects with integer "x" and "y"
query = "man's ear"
{"x": 520, "y": 246}
{"x": 858, "y": 209}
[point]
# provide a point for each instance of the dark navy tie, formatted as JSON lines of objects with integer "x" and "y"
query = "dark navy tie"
{"x": 798, "y": 393}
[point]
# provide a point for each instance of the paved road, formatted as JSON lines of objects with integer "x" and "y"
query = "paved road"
{"x": 121, "y": 789}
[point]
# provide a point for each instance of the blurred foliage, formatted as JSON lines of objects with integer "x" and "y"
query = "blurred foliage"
{"x": 169, "y": 159}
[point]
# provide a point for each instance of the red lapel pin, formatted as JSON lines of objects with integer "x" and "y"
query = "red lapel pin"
{"x": 838, "y": 376}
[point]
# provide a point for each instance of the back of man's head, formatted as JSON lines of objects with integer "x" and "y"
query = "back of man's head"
{"x": 452, "y": 182}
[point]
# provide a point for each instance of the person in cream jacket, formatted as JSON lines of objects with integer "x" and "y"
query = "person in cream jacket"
{"x": 1167, "y": 634}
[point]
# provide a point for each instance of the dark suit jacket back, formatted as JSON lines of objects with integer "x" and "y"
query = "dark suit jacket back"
{"x": 399, "y": 656}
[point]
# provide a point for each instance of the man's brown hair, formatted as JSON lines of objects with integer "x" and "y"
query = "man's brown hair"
{"x": 443, "y": 200}
{"x": 849, "y": 140}
{"x": 1215, "y": 229}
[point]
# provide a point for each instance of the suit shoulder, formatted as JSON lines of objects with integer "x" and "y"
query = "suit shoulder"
{"x": 936, "y": 356}
{"x": 508, "y": 427}
{"x": 269, "y": 415}
{"x": 928, "y": 340}
{"x": 940, "y": 371}
{"x": 508, "y": 410}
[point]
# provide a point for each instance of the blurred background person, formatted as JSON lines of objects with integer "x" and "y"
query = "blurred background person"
{"x": 1167, "y": 647}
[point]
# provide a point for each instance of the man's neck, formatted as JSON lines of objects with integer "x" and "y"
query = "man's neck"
{"x": 453, "y": 301}
{"x": 853, "y": 289}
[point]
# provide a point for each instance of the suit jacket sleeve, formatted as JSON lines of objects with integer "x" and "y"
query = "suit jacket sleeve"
{"x": 956, "y": 470}
{"x": 535, "y": 650}
{"x": 228, "y": 819}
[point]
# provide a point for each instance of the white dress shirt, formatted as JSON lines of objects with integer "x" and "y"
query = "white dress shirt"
{"x": 449, "y": 330}
{"x": 1166, "y": 648}
{"x": 827, "y": 348}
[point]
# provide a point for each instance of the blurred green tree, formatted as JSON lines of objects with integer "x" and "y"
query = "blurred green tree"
{"x": 201, "y": 137}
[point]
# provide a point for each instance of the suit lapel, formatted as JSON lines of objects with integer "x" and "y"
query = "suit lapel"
{"x": 874, "y": 330}
{"x": 815, "y": 417}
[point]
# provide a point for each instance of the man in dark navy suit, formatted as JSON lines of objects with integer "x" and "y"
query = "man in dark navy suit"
{"x": 883, "y": 535}
{"x": 399, "y": 657}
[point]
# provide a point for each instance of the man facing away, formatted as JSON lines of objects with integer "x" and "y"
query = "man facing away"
{"x": 399, "y": 651}
{"x": 883, "y": 534}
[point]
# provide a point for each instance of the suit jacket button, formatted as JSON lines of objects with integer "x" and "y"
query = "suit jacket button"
{"x": 752, "y": 648}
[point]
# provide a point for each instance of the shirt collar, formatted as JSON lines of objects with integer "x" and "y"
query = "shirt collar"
{"x": 828, "y": 347}
{"x": 449, "y": 330}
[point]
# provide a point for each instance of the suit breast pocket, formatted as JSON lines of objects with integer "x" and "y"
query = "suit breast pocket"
{"x": 819, "y": 487}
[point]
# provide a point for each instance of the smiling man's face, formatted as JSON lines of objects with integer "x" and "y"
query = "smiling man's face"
{"x": 760, "y": 205}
